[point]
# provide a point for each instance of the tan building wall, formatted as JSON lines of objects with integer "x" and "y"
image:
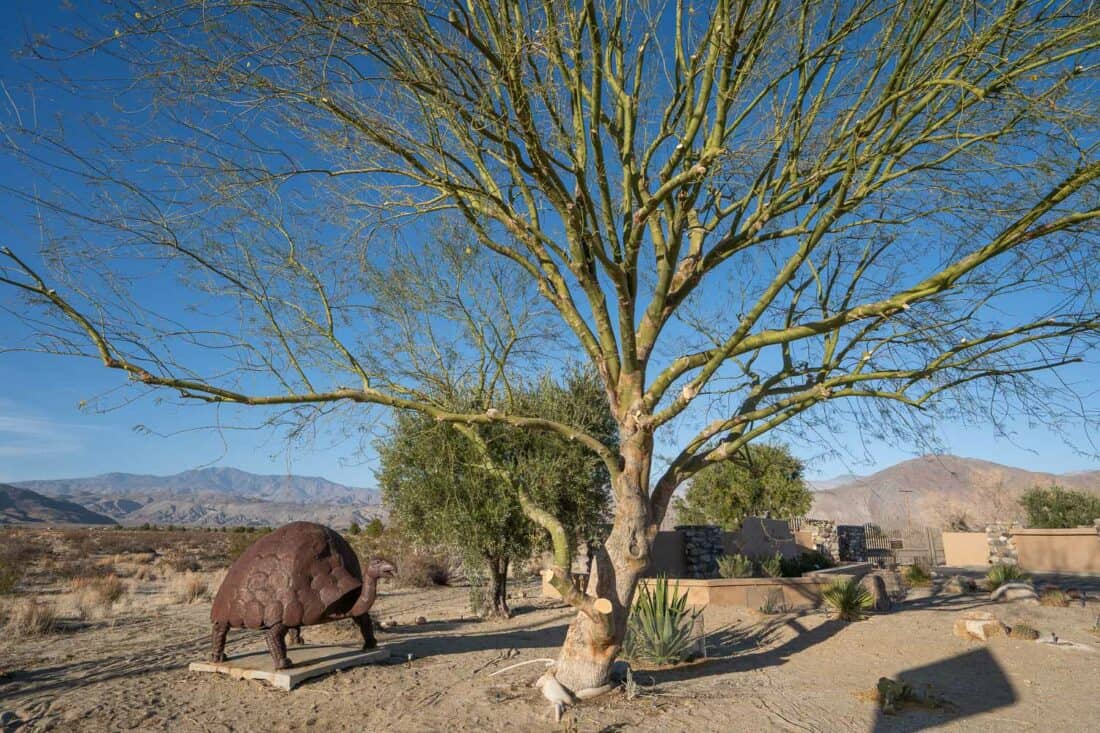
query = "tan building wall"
{"x": 1058, "y": 550}
{"x": 965, "y": 549}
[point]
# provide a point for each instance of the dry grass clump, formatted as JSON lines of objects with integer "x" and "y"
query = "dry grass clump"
{"x": 422, "y": 570}
{"x": 96, "y": 596}
{"x": 1023, "y": 631}
{"x": 190, "y": 587}
{"x": 29, "y": 617}
{"x": 145, "y": 573}
{"x": 1054, "y": 597}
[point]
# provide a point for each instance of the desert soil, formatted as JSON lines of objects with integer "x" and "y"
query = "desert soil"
{"x": 792, "y": 672}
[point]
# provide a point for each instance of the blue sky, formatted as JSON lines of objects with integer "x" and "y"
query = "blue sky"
{"x": 45, "y": 434}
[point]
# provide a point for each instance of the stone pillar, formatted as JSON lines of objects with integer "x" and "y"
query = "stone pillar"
{"x": 1002, "y": 551}
{"x": 702, "y": 548}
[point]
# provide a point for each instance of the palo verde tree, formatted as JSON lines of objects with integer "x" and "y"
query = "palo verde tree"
{"x": 760, "y": 480}
{"x": 747, "y": 216}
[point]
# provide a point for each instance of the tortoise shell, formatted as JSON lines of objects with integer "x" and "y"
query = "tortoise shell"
{"x": 299, "y": 575}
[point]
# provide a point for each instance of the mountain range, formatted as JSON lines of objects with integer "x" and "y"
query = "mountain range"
{"x": 22, "y": 506}
{"x": 214, "y": 497}
{"x": 935, "y": 490}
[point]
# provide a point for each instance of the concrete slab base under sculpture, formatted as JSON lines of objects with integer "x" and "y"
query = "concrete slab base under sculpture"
{"x": 309, "y": 661}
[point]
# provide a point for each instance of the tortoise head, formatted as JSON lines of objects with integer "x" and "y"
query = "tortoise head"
{"x": 379, "y": 568}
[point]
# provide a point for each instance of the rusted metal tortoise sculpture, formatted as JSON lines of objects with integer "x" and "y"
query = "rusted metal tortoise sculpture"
{"x": 302, "y": 574}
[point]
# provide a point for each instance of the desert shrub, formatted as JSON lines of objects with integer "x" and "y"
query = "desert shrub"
{"x": 847, "y": 598}
{"x": 145, "y": 573}
{"x": 774, "y": 603}
{"x": 917, "y": 576}
{"x": 1000, "y": 574}
{"x": 772, "y": 567}
{"x": 354, "y": 528}
{"x": 1054, "y": 597}
{"x": 1059, "y": 508}
{"x": 813, "y": 560}
{"x": 735, "y": 566}
{"x": 185, "y": 563}
{"x": 241, "y": 539}
{"x": 9, "y": 578}
{"x": 421, "y": 570}
{"x": 659, "y": 629}
{"x": 190, "y": 588}
{"x": 95, "y": 595}
{"x": 1023, "y": 631}
{"x": 30, "y": 617}
{"x": 75, "y": 569}
{"x": 374, "y": 528}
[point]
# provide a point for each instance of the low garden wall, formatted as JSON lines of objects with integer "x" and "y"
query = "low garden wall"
{"x": 1037, "y": 550}
{"x": 1058, "y": 550}
{"x": 804, "y": 592}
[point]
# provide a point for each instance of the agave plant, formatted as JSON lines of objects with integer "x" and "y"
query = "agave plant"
{"x": 1000, "y": 574}
{"x": 847, "y": 598}
{"x": 660, "y": 625}
{"x": 772, "y": 567}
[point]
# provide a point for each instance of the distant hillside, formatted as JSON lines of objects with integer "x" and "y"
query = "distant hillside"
{"x": 939, "y": 488}
{"x": 22, "y": 506}
{"x": 215, "y": 497}
{"x": 221, "y": 481}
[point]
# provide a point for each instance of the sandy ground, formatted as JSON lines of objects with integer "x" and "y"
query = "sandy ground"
{"x": 788, "y": 672}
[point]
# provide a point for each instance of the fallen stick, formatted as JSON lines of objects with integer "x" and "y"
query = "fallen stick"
{"x": 520, "y": 664}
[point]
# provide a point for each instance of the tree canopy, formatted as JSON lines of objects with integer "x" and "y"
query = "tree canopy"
{"x": 1055, "y": 507}
{"x": 763, "y": 480}
{"x": 440, "y": 490}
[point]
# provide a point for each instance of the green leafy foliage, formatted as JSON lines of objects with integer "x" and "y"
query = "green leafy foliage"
{"x": 1001, "y": 573}
{"x": 1059, "y": 508}
{"x": 759, "y": 480}
{"x": 847, "y": 598}
{"x": 772, "y": 567}
{"x": 354, "y": 528}
{"x": 374, "y": 528}
{"x": 659, "y": 630}
{"x": 917, "y": 576}
{"x": 735, "y": 566}
{"x": 442, "y": 493}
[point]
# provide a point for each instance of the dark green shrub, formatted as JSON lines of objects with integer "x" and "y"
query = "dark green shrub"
{"x": 1059, "y": 508}
{"x": 354, "y": 528}
{"x": 659, "y": 630}
{"x": 374, "y": 528}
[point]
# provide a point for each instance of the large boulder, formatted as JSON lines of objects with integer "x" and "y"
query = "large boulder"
{"x": 1023, "y": 592}
{"x": 876, "y": 586}
{"x": 979, "y": 625}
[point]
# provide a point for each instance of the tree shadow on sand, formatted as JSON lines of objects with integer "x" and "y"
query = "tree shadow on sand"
{"x": 969, "y": 684}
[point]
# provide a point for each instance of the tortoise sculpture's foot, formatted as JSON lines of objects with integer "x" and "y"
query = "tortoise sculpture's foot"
{"x": 276, "y": 646}
{"x": 217, "y": 642}
{"x": 294, "y": 638}
{"x": 367, "y": 630}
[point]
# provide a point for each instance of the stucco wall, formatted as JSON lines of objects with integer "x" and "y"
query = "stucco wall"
{"x": 965, "y": 549}
{"x": 1058, "y": 550}
{"x": 759, "y": 537}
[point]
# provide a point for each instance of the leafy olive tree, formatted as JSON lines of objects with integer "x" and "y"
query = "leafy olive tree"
{"x": 760, "y": 480}
{"x": 747, "y": 216}
{"x": 443, "y": 490}
{"x": 1056, "y": 507}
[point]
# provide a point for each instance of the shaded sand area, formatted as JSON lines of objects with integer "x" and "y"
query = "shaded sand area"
{"x": 783, "y": 672}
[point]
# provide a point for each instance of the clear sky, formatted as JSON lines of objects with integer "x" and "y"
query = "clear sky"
{"x": 44, "y": 433}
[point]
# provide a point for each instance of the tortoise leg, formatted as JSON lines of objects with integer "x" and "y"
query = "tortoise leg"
{"x": 276, "y": 645}
{"x": 366, "y": 629}
{"x": 217, "y": 642}
{"x": 294, "y": 638}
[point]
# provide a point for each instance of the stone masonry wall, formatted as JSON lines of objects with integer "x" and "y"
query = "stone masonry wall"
{"x": 702, "y": 548}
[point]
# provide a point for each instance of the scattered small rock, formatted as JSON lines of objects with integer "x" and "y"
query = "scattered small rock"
{"x": 979, "y": 625}
{"x": 420, "y": 621}
{"x": 1015, "y": 592}
{"x": 891, "y": 694}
